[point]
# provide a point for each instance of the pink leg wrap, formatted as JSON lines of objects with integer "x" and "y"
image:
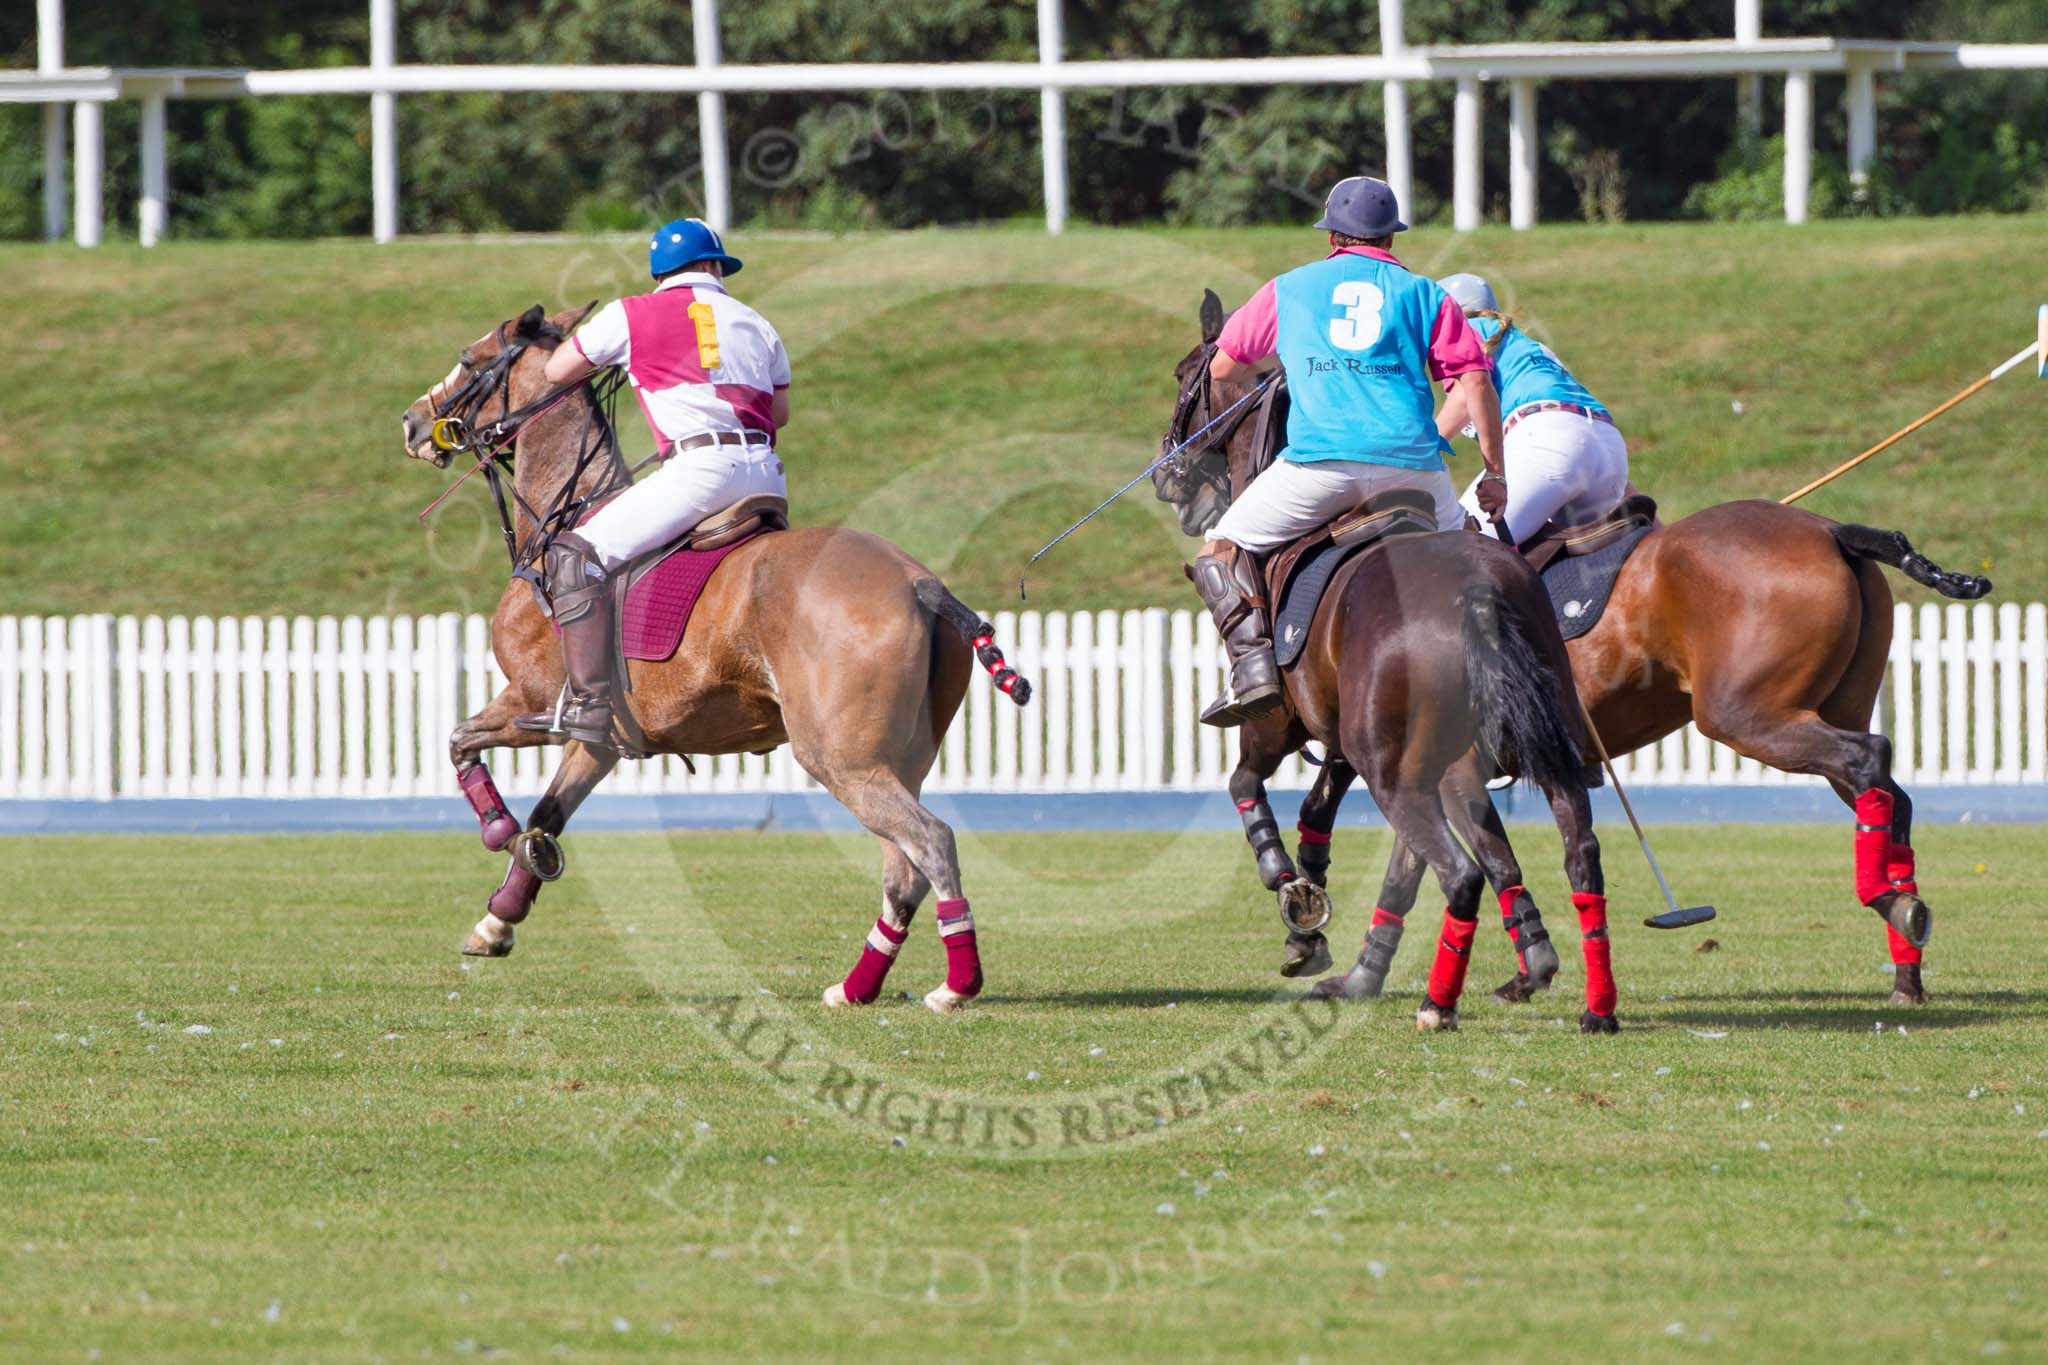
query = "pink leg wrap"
{"x": 877, "y": 956}
{"x": 1600, "y": 988}
{"x": 514, "y": 896}
{"x": 963, "y": 959}
{"x": 483, "y": 798}
{"x": 1900, "y": 875}
{"x": 1873, "y": 844}
{"x": 1453, "y": 956}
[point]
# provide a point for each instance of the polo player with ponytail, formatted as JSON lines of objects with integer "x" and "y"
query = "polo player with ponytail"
{"x": 712, "y": 378}
{"x": 1360, "y": 338}
{"x": 1566, "y": 460}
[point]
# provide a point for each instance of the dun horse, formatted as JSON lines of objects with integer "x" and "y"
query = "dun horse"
{"x": 1765, "y": 625}
{"x": 833, "y": 641}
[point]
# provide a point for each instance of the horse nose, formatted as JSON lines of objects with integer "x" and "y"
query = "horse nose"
{"x": 405, "y": 424}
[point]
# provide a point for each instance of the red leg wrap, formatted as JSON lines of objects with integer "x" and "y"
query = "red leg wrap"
{"x": 1873, "y": 844}
{"x": 877, "y": 956}
{"x": 514, "y": 896}
{"x": 483, "y": 798}
{"x": 963, "y": 959}
{"x": 1904, "y": 954}
{"x": 1899, "y": 871}
{"x": 1511, "y": 922}
{"x": 1379, "y": 917}
{"x": 1453, "y": 956}
{"x": 1312, "y": 836}
{"x": 1600, "y": 989}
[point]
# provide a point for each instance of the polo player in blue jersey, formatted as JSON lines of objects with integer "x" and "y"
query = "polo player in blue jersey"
{"x": 1360, "y": 338}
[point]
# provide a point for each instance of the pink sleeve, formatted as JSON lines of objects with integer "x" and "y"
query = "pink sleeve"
{"x": 603, "y": 338}
{"x": 1253, "y": 332}
{"x": 1454, "y": 348}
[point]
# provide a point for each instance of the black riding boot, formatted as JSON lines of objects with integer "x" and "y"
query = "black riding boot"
{"x": 1230, "y": 589}
{"x": 581, "y": 597}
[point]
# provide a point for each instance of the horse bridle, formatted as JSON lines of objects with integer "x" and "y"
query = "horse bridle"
{"x": 1196, "y": 399}
{"x": 454, "y": 428}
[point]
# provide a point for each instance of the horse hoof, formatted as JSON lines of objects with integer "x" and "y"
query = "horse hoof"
{"x": 500, "y": 832}
{"x": 492, "y": 937}
{"x": 1433, "y": 1018}
{"x": 1356, "y": 984}
{"x": 540, "y": 853}
{"x": 1908, "y": 914}
{"x": 1590, "y": 1022}
{"x": 1307, "y": 954}
{"x": 1518, "y": 991}
{"x": 836, "y": 998}
{"x": 1913, "y": 998}
{"x": 945, "y": 1000}
{"x": 1304, "y": 907}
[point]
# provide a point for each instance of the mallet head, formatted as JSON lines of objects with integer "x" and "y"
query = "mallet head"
{"x": 1681, "y": 919}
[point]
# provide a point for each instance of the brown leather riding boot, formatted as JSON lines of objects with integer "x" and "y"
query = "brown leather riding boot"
{"x": 1230, "y": 589}
{"x": 581, "y": 597}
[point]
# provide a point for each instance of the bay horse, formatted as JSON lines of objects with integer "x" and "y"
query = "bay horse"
{"x": 1426, "y": 648}
{"x": 1767, "y": 626}
{"x": 831, "y": 640}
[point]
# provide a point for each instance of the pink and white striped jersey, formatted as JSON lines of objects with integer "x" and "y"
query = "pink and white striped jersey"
{"x": 698, "y": 359}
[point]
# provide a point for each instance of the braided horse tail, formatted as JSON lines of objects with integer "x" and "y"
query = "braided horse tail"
{"x": 935, "y": 598}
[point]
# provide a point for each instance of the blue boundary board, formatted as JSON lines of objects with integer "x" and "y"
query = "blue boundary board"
{"x": 1162, "y": 811}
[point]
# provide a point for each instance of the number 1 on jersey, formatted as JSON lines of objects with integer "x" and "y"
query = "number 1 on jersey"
{"x": 1359, "y": 325}
{"x": 707, "y": 334}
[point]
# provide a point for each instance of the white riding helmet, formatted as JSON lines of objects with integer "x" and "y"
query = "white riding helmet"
{"x": 1470, "y": 291}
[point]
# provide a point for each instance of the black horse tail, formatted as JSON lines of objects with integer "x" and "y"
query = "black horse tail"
{"x": 1892, "y": 547}
{"x": 1515, "y": 695}
{"x": 937, "y": 599}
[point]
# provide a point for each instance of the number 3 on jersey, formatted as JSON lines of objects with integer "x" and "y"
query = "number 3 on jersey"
{"x": 707, "y": 334}
{"x": 1358, "y": 325}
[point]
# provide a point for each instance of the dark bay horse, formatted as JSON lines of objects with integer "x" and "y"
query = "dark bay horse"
{"x": 1768, "y": 627}
{"x": 833, "y": 641}
{"x": 1426, "y": 649}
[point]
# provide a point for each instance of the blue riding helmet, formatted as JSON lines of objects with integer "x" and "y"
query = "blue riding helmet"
{"x": 676, "y": 244}
{"x": 1362, "y": 207}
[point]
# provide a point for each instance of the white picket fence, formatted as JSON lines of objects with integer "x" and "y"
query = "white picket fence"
{"x": 100, "y": 707}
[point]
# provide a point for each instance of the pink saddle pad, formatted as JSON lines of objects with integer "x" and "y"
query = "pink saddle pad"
{"x": 659, "y": 601}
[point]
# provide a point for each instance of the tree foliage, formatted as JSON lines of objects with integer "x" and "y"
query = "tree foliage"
{"x": 1650, "y": 149}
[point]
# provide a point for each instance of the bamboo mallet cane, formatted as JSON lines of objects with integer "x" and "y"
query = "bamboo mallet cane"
{"x": 1673, "y": 916}
{"x": 2038, "y": 349}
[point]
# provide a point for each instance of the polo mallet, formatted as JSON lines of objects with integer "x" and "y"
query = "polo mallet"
{"x": 1673, "y": 917}
{"x": 2038, "y": 349}
{"x": 1256, "y": 390}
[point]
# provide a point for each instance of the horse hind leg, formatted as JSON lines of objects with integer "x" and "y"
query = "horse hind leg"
{"x": 1367, "y": 976}
{"x": 903, "y": 890}
{"x": 1477, "y": 822}
{"x": 537, "y": 851}
{"x": 1574, "y": 813}
{"x": 890, "y": 810}
{"x": 1418, "y": 819}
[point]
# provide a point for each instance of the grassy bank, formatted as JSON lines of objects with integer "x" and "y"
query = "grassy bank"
{"x": 213, "y": 428}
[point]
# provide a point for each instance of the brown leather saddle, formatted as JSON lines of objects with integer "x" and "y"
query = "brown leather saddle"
{"x": 1297, "y": 576}
{"x": 1555, "y": 542}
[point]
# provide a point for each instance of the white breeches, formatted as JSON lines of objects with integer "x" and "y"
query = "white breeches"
{"x": 1560, "y": 466}
{"x": 1290, "y": 500}
{"x": 681, "y": 492}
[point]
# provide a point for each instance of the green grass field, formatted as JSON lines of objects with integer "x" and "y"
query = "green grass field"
{"x": 255, "y": 1105}
{"x": 213, "y": 428}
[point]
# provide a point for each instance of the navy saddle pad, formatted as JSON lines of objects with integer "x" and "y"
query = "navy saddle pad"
{"x": 1304, "y": 591}
{"x": 1578, "y": 586}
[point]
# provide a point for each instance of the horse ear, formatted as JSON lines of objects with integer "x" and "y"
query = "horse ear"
{"x": 529, "y": 323}
{"x": 1212, "y": 316}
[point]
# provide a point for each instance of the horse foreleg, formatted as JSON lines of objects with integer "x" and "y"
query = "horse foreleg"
{"x": 1307, "y": 950}
{"x": 490, "y": 728}
{"x": 1304, "y": 905}
{"x": 537, "y": 851}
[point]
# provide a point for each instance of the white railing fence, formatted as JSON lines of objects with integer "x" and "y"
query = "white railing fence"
{"x": 103, "y": 707}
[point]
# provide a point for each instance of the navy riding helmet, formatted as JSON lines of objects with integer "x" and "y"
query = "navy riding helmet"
{"x": 685, "y": 240}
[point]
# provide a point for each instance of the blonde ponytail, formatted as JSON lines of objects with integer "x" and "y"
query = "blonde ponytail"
{"x": 1507, "y": 324}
